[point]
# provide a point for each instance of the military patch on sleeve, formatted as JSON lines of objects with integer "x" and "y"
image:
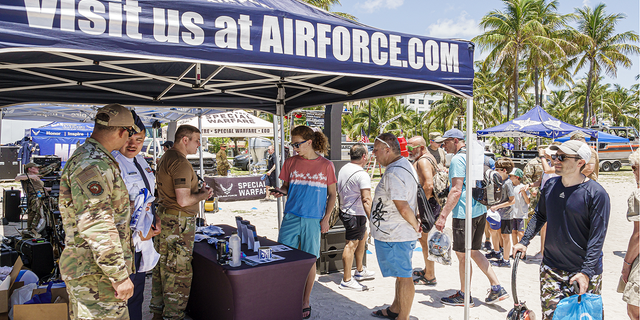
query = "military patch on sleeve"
{"x": 148, "y": 169}
{"x": 179, "y": 181}
{"x": 95, "y": 188}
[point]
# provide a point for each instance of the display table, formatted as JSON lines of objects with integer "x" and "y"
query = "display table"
{"x": 267, "y": 291}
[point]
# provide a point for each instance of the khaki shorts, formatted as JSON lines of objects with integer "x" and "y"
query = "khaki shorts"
{"x": 631, "y": 293}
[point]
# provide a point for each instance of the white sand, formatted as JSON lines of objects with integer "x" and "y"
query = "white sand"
{"x": 329, "y": 302}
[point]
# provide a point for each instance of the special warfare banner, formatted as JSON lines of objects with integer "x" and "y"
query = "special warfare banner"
{"x": 258, "y": 32}
{"x": 228, "y": 189}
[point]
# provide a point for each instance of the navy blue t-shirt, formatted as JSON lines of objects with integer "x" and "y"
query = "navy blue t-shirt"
{"x": 577, "y": 218}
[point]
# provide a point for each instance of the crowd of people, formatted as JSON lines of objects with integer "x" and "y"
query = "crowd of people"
{"x": 108, "y": 208}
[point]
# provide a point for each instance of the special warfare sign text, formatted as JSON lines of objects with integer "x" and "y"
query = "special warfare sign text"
{"x": 283, "y": 36}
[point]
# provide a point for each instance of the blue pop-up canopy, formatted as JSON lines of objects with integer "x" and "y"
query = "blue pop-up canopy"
{"x": 213, "y": 54}
{"x": 61, "y": 138}
{"x": 535, "y": 123}
{"x": 603, "y": 137}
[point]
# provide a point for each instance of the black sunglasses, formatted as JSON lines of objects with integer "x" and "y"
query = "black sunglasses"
{"x": 130, "y": 131}
{"x": 562, "y": 157}
{"x": 297, "y": 144}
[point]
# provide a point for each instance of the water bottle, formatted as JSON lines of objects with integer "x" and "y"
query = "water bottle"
{"x": 264, "y": 176}
{"x": 235, "y": 248}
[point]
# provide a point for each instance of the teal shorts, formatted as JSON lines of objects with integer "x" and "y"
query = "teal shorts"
{"x": 301, "y": 233}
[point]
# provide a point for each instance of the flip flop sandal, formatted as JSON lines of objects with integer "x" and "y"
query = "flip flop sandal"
{"x": 419, "y": 273}
{"x": 425, "y": 281}
{"x": 389, "y": 315}
{"x": 307, "y": 310}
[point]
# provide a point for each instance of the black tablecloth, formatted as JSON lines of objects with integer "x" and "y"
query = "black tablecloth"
{"x": 267, "y": 291}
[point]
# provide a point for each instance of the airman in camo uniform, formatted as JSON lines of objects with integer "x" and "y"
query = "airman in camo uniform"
{"x": 533, "y": 172}
{"x": 221, "y": 161}
{"x": 179, "y": 193}
{"x": 33, "y": 187}
{"x": 94, "y": 205}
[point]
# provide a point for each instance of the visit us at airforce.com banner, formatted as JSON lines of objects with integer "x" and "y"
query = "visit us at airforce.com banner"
{"x": 271, "y": 33}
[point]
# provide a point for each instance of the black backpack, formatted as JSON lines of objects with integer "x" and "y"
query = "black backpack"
{"x": 425, "y": 213}
{"x": 488, "y": 191}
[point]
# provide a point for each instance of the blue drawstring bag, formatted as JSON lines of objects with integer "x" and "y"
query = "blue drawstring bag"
{"x": 587, "y": 306}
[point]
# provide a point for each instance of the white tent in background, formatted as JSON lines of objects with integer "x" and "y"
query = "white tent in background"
{"x": 232, "y": 124}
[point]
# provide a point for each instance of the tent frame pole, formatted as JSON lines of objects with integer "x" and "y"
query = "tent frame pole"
{"x": 276, "y": 149}
{"x": 201, "y": 162}
{"x": 469, "y": 210}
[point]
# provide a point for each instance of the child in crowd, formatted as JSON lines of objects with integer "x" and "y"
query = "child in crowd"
{"x": 504, "y": 166}
{"x": 521, "y": 207}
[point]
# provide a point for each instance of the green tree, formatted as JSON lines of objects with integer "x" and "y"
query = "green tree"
{"x": 601, "y": 48}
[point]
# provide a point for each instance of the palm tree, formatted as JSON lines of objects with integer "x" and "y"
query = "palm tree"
{"x": 327, "y": 4}
{"x": 511, "y": 33}
{"x": 451, "y": 111}
{"x": 382, "y": 109}
{"x": 601, "y": 48}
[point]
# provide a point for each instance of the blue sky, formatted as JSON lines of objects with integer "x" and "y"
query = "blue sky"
{"x": 460, "y": 18}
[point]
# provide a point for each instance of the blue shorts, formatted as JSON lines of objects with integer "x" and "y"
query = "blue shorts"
{"x": 394, "y": 258}
{"x": 302, "y": 233}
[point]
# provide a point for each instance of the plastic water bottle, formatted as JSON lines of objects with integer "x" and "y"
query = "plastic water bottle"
{"x": 236, "y": 251}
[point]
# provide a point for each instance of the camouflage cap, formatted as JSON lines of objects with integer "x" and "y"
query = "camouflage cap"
{"x": 119, "y": 116}
{"x": 434, "y": 135}
{"x": 31, "y": 165}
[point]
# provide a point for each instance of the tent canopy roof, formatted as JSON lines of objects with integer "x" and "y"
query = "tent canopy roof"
{"x": 535, "y": 123}
{"x": 214, "y": 54}
{"x": 236, "y": 123}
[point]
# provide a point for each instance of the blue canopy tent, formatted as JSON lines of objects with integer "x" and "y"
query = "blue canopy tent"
{"x": 602, "y": 137}
{"x": 60, "y": 138}
{"x": 535, "y": 123}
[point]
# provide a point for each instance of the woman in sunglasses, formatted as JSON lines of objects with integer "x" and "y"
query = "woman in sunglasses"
{"x": 309, "y": 182}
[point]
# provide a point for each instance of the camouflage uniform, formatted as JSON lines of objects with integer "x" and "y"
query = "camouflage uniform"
{"x": 554, "y": 286}
{"x": 221, "y": 163}
{"x": 533, "y": 172}
{"x": 34, "y": 206}
{"x": 172, "y": 275}
{"x": 94, "y": 205}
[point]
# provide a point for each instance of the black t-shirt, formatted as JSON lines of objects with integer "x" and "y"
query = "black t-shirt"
{"x": 577, "y": 218}
{"x": 270, "y": 161}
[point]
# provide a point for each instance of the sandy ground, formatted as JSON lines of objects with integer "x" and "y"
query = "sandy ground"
{"x": 329, "y": 302}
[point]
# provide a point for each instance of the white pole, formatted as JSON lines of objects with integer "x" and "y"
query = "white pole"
{"x": 202, "y": 160}
{"x": 469, "y": 210}
{"x": 278, "y": 164}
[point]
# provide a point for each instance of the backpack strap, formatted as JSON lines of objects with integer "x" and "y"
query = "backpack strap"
{"x": 345, "y": 184}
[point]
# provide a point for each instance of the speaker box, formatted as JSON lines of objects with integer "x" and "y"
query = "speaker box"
{"x": 37, "y": 255}
{"x": 11, "y": 205}
{"x": 8, "y": 256}
{"x": 9, "y": 163}
{"x": 332, "y": 246}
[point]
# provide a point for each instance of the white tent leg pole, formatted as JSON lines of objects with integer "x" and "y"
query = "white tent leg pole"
{"x": 469, "y": 209}
{"x": 278, "y": 164}
{"x": 202, "y": 161}
{"x": 155, "y": 154}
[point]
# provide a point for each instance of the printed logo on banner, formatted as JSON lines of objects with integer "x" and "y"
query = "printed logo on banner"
{"x": 227, "y": 191}
{"x": 36, "y": 132}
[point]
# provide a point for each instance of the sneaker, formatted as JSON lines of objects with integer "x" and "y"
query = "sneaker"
{"x": 364, "y": 274}
{"x": 352, "y": 285}
{"x": 487, "y": 246}
{"x": 494, "y": 255}
{"x": 501, "y": 263}
{"x": 495, "y": 296}
{"x": 456, "y": 299}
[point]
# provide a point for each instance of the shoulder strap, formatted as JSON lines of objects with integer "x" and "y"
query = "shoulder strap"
{"x": 434, "y": 165}
{"x": 411, "y": 174}
{"x": 345, "y": 183}
{"x": 144, "y": 176}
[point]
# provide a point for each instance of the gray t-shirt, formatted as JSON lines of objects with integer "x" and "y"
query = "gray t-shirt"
{"x": 507, "y": 192}
{"x": 387, "y": 224}
{"x": 436, "y": 155}
{"x": 351, "y": 179}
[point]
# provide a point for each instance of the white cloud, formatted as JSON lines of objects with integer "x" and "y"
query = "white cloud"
{"x": 463, "y": 27}
{"x": 586, "y": 3}
{"x": 373, "y": 5}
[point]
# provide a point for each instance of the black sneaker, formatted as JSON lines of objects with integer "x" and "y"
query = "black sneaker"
{"x": 494, "y": 255}
{"x": 501, "y": 263}
{"x": 495, "y": 296}
{"x": 456, "y": 299}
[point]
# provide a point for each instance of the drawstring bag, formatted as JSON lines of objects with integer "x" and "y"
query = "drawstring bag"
{"x": 586, "y": 306}
{"x": 41, "y": 297}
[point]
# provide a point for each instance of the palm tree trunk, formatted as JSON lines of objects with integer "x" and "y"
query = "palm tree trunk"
{"x": 537, "y": 94}
{"x": 508, "y": 104}
{"x": 585, "y": 114}
{"x": 515, "y": 88}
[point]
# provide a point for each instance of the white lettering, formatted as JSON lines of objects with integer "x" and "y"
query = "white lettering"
{"x": 379, "y": 40}
{"x": 360, "y": 46}
{"x": 304, "y": 36}
{"x": 288, "y": 36}
{"x": 394, "y": 51}
{"x": 323, "y": 40}
{"x": 431, "y": 56}
{"x": 245, "y": 32}
{"x": 133, "y": 22}
{"x": 415, "y": 61}
{"x": 196, "y": 35}
{"x": 271, "y": 35}
{"x": 341, "y": 43}
{"x": 95, "y": 23}
{"x": 227, "y": 37}
{"x": 449, "y": 58}
{"x": 162, "y": 34}
{"x": 67, "y": 15}
{"x": 115, "y": 19}
{"x": 41, "y": 16}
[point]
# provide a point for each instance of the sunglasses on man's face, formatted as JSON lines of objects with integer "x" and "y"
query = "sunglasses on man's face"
{"x": 130, "y": 131}
{"x": 411, "y": 148}
{"x": 562, "y": 157}
{"x": 297, "y": 144}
